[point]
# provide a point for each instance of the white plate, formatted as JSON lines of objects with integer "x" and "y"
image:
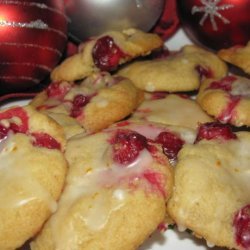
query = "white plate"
{"x": 171, "y": 239}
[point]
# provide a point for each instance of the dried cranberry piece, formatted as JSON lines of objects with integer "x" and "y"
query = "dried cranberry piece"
{"x": 107, "y": 54}
{"x": 224, "y": 84}
{"x": 204, "y": 72}
{"x": 3, "y": 132}
{"x": 127, "y": 146}
{"x": 171, "y": 144}
{"x": 156, "y": 180}
{"x": 215, "y": 130}
{"x": 228, "y": 114}
{"x": 79, "y": 102}
{"x": 57, "y": 90}
{"x": 241, "y": 224}
{"x": 46, "y": 141}
{"x": 41, "y": 139}
{"x": 159, "y": 95}
{"x": 22, "y": 126}
{"x": 162, "y": 227}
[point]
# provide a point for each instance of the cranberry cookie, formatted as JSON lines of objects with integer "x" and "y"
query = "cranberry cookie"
{"x": 115, "y": 196}
{"x": 227, "y": 99}
{"x": 178, "y": 72}
{"x": 105, "y": 53}
{"x": 172, "y": 110}
{"x": 97, "y": 102}
{"x": 32, "y": 173}
{"x": 211, "y": 192}
{"x": 238, "y": 56}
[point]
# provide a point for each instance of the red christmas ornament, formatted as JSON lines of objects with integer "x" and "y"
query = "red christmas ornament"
{"x": 169, "y": 21}
{"x": 32, "y": 39}
{"x": 216, "y": 24}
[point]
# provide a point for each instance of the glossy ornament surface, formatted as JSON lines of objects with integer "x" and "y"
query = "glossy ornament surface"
{"x": 93, "y": 17}
{"x": 169, "y": 21}
{"x": 33, "y": 35}
{"x": 216, "y": 24}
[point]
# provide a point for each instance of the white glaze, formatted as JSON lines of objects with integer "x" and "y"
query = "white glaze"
{"x": 241, "y": 87}
{"x": 172, "y": 110}
{"x": 17, "y": 186}
{"x": 101, "y": 191}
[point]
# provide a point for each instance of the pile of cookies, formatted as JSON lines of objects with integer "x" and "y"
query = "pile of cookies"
{"x": 117, "y": 146}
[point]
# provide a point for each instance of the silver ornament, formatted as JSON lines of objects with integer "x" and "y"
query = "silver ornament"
{"x": 93, "y": 17}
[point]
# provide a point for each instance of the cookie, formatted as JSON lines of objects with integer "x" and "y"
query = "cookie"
{"x": 32, "y": 173}
{"x": 227, "y": 99}
{"x": 113, "y": 176}
{"x": 171, "y": 109}
{"x": 105, "y": 53}
{"x": 178, "y": 72}
{"x": 211, "y": 191}
{"x": 97, "y": 102}
{"x": 238, "y": 56}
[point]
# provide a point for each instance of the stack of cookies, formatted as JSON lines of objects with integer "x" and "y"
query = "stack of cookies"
{"x": 128, "y": 139}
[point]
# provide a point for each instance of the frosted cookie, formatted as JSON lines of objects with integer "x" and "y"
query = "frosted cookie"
{"x": 238, "y": 56}
{"x": 211, "y": 192}
{"x": 115, "y": 196}
{"x": 178, "y": 72}
{"x": 172, "y": 110}
{"x": 32, "y": 173}
{"x": 105, "y": 53}
{"x": 227, "y": 99}
{"x": 95, "y": 103}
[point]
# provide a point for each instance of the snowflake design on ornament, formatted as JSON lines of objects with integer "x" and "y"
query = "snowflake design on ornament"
{"x": 211, "y": 9}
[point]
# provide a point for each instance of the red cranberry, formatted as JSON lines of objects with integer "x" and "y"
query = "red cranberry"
{"x": 204, "y": 72}
{"x": 224, "y": 84}
{"x": 46, "y": 141}
{"x": 228, "y": 114}
{"x": 123, "y": 123}
{"x": 156, "y": 180}
{"x": 242, "y": 227}
{"x": 41, "y": 139}
{"x": 3, "y": 132}
{"x": 171, "y": 144}
{"x": 16, "y": 112}
{"x": 57, "y": 90}
{"x": 107, "y": 54}
{"x": 127, "y": 146}
{"x": 215, "y": 130}
{"x": 78, "y": 103}
{"x": 158, "y": 95}
{"x": 162, "y": 227}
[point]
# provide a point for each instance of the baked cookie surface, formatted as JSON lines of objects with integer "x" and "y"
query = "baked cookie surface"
{"x": 227, "y": 99}
{"x": 32, "y": 173}
{"x": 95, "y": 103}
{"x": 172, "y": 110}
{"x": 211, "y": 192}
{"x": 238, "y": 56}
{"x": 181, "y": 71}
{"x": 105, "y": 53}
{"x": 115, "y": 196}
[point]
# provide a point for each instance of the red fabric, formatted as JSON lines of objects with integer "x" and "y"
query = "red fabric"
{"x": 169, "y": 22}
